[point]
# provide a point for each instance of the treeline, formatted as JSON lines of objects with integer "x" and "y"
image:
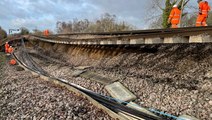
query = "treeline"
{"x": 3, "y": 33}
{"x": 106, "y": 23}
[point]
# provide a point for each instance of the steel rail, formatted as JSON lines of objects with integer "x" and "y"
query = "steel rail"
{"x": 185, "y": 29}
{"x": 150, "y": 35}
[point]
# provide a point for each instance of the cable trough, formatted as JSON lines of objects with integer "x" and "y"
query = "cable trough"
{"x": 25, "y": 60}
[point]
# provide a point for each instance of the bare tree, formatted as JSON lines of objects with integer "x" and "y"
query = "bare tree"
{"x": 106, "y": 23}
{"x": 24, "y": 31}
{"x": 37, "y": 32}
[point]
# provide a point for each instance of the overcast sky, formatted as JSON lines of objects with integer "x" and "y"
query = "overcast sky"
{"x": 43, "y": 14}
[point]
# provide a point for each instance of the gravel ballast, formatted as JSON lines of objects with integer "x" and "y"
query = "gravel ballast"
{"x": 26, "y": 96}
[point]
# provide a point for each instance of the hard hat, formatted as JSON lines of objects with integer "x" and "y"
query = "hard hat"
{"x": 175, "y": 6}
{"x": 12, "y": 62}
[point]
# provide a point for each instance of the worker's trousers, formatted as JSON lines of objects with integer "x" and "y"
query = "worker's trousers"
{"x": 174, "y": 26}
{"x": 201, "y": 20}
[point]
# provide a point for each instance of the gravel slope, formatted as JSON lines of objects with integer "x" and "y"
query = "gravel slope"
{"x": 171, "y": 78}
{"x": 24, "y": 96}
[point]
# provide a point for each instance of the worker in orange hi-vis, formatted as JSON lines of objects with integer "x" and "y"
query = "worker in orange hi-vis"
{"x": 46, "y": 32}
{"x": 174, "y": 17}
{"x": 204, "y": 9}
{"x": 6, "y": 47}
{"x": 10, "y": 50}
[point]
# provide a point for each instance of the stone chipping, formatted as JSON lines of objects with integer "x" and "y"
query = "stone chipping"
{"x": 171, "y": 78}
{"x": 26, "y": 96}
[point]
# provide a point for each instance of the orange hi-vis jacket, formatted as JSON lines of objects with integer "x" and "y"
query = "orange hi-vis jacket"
{"x": 175, "y": 16}
{"x": 6, "y": 47}
{"x": 204, "y": 8}
{"x": 10, "y": 50}
{"x": 46, "y": 32}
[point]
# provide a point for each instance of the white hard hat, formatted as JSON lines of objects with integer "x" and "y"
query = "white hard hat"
{"x": 174, "y": 6}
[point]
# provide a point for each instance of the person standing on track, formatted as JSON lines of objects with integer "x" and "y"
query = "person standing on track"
{"x": 6, "y": 47}
{"x": 174, "y": 17}
{"x": 10, "y": 50}
{"x": 204, "y": 9}
{"x": 46, "y": 32}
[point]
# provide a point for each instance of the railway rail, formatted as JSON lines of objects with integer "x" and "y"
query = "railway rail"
{"x": 134, "y": 32}
{"x": 159, "y": 36}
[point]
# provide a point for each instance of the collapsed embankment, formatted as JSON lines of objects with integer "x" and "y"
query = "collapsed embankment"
{"x": 175, "y": 77}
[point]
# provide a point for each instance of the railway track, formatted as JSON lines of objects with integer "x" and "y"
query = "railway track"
{"x": 25, "y": 60}
{"x": 181, "y": 35}
{"x": 159, "y": 36}
{"x": 136, "y": 32}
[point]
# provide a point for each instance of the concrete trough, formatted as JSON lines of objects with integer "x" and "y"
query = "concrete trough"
{"x": 119, "y": 92}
